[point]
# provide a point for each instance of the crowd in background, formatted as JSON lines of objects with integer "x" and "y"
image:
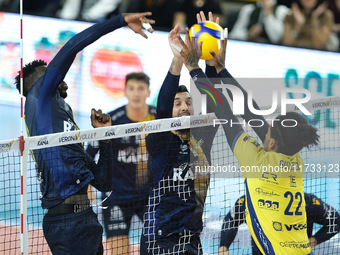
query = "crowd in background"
{"x": 313, "y": 24}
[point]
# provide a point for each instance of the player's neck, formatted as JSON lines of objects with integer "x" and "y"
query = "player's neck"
{"x": 137, "y": 114}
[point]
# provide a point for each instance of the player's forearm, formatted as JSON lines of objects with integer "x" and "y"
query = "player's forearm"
{"x": 222, "y": 110}
{"x": 166, "y": 96}
{"x": 65, "y": 57}
{"x": 227, "y": 78}
{"x": 210, "y": 71}
{"x": 331, "y": 226}
{"x": 229, "y": 231}
{"x": 176, "y": 66}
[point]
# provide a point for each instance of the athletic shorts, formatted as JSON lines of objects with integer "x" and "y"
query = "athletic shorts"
{"x": 179, "y": 244}
{"x": 75, "y": 233}
{"x": 117, "y": 216}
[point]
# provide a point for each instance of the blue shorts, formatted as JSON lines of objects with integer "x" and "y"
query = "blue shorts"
{"x": 179, "y": 244}
{"x": 117, "y": 215}
{"x": 75, "y": 233}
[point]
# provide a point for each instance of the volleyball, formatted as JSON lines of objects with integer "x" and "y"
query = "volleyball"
{"x": 209, "y": 33}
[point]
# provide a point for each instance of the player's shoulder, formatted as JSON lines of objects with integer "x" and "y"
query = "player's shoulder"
{"x": 312, "y": 200}
{"x": 241, "y": 200}
{"x": 118, "y": 113}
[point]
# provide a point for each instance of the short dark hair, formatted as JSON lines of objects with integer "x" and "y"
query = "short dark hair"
{"x": 28, "y": 70}
{"x": 138, "y": 76}
{"x": 291, "y": 140}
{"x": 182, "y": 88}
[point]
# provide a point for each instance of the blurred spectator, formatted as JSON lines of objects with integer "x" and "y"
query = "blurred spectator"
{"x": 163, "y": 11}
{"x": 47, "y": 8}
{"x": 260, "y": 22}
{"x": 186, "y": 16}
{"x": 334, "y": 6}
{"x": 309, "y": 24}
{"x": 89, "y": 10}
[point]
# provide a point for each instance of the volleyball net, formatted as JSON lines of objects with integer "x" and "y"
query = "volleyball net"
{"x": 21, "y": 214}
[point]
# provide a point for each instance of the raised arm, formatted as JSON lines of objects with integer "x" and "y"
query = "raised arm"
{"x": 222, "y": 110}
{"x": 227, "y": 78}
{"x": 170, "y": 84}
{"x": 61, "y": 63}
{"x": 231, "y": 223}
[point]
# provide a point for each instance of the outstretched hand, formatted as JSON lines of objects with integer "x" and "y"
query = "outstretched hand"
{"x": 190, "y": 55}
{"x": 219, "y": 59}
{"x": 200, "y": 18}
{"x": 173, "y": 39}
{"x": 135, "y": 22}
{"x": 100, "y": 119}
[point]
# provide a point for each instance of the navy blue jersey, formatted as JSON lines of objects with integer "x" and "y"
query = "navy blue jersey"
{"x": 64, "y": 170}
{"x": 176, "y": 201}
{"x": 128, "y": 184}
{"x": 317, "y": 212}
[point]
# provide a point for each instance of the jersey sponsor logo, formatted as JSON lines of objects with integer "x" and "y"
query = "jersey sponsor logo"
{"x": 295, "y": 245}
{"x": 69, "y": 126}
{"x": 116, "y": 214}
{"x": 130, "y": 155}
{"x": 292, "y": 181}
{"x": 316, "y": 201}
{"x": 246, "y": 138}
{"x": 284, "y": 164}
{"x": 269, "y": 177}
{"x": 277, "y": 225}
{"x": 261, "y": 235}
{"x": 268, "y": 204}
{"x": 117, "y": 219}
{"x": 183, "y": 148}
{"x": 295, "y": 227}
{"x": 183, "y": 173}
{"x": 263, "y": 192}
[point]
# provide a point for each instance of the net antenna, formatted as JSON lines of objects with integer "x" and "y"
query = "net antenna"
{"x": 23, "y": 156}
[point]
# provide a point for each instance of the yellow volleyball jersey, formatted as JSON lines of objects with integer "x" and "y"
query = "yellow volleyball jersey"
{"x": 275, "y": 205}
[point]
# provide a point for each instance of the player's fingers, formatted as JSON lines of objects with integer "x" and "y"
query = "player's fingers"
{"x": 143, "y": 14}
{"x": 191, "y": 40}
{"x": 93, "y": 112}
{"x": 203, "y": 16}
{"x": 200, "y": 45}
{"x": 187, "y": 39}
{"x": 142, "y": 34}
{"x": 211, "y": 18}
{"x": 184, "y": 47}
{"x": 106, "y": 118}
{"x": 145, "y": 20}
{"x": 213, "y": 53}
{"x": 198, "y": 17}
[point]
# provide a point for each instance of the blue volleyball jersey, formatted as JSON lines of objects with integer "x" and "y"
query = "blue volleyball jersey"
{"x": 176, "y": 201}
{"x": 127, "y": 157}
{"x": 63, "y": 170}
